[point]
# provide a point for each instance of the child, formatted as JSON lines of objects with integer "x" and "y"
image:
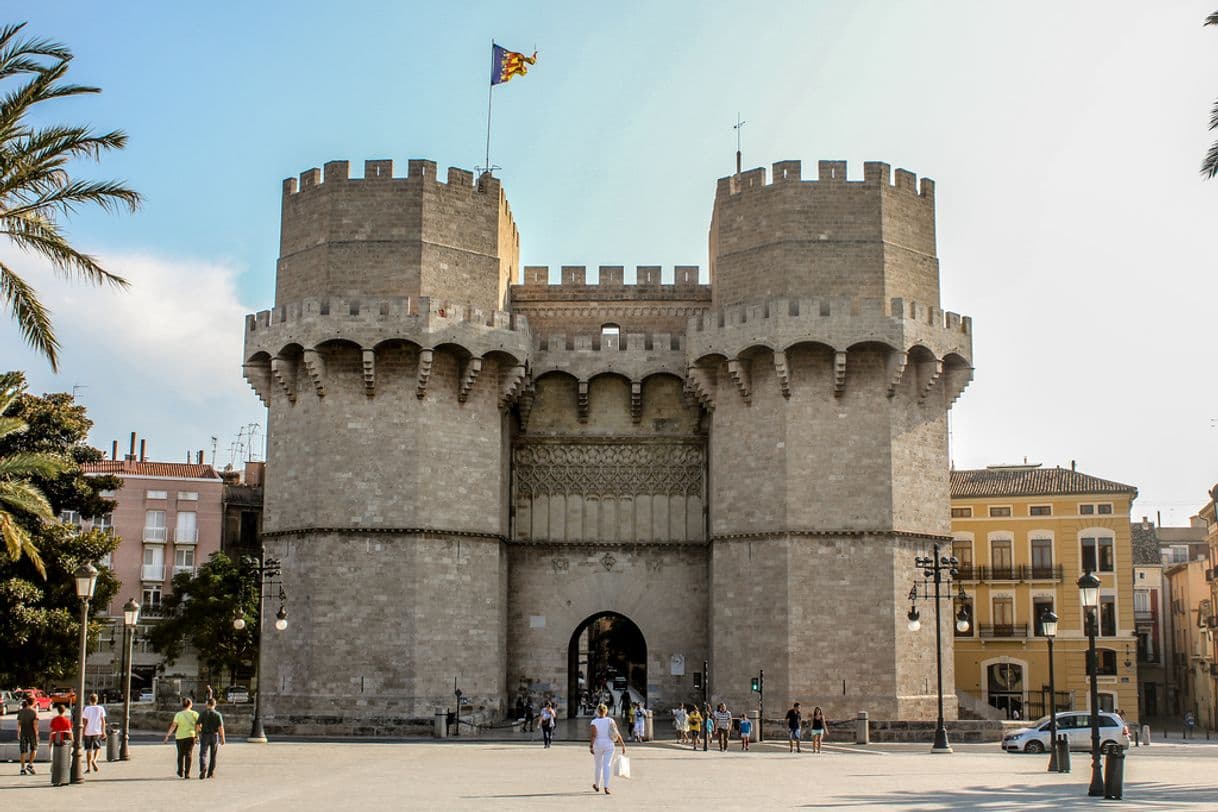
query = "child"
{"x": 746, "y": 731}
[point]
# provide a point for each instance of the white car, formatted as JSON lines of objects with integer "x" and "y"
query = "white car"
{"x": 238, "y": 694}
{"x": 1075, "y": 726}
{"x": 145, "y": 695}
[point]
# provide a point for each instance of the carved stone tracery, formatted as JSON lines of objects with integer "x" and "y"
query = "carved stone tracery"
{"x": 609, "y": 469}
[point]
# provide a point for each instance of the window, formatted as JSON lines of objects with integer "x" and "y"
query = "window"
{"x": 1040, "y": 510}
{"x": 104, "y": 523}
{"x": 1107, "y": 704}
{"x": 1108, "y": 624}
{"x": 183, "y": 560}
{"x": 1039, "y": 607}
{"x": 154, "y": 525}
{"x": 1141, "y": 601}
{"x": 188, "y": 496}
{"x": 70, "y": 517}
{"x": 962, "y": 513}
{"x": 1000, "y": 558}
{"x": 1097, "y": 554}
{"x": 997, "y": 512}
{"x": 1107, "y": 662}
{"x": 154, "y": 563}
{"x": 1003, "y": 607}
{"x": 107, "y": 494}
{"x": 156, "y": 495}
{"x": 1042, "y": 558}
{"x": 152, "y": 599}
{"x": 105, "y": 560}
{"x": 1104, "y": 510}
{"x": 611, "y": 337}
{"x": 963, "y": 551}
{"x": 1179, "y": 553}
{"x": 187, "y": 531}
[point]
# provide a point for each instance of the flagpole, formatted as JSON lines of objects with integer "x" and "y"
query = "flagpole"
{"x": 490, "y": 95}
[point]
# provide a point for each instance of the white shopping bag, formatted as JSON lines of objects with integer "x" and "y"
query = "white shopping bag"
{"x": 621, "y": 767}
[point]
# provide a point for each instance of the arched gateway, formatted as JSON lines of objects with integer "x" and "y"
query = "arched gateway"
{"x": 606, "y": 662}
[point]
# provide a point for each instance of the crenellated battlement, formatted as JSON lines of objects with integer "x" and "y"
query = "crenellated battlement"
{"x": 575, "y": 278}
{"x": 876, "y": 174}
{"x": 379, "y": 171}
{"x": 838, "y": 307}
{"x": 625, "y": 343}
{"x": 383, "y": 311}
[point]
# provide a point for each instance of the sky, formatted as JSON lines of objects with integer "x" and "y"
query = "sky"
{"x": 1064, "y": 139}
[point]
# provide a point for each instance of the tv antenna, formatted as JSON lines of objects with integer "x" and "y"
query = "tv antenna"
{"x": 738, "y": 126}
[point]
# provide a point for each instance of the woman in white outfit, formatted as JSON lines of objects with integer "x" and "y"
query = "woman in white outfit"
{"x": 602, "y": 734}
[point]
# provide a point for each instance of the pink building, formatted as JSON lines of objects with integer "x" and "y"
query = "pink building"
{"x": 168, "y": 516}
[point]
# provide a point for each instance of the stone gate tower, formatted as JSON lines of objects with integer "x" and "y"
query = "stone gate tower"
{"x": 464, "y": 472}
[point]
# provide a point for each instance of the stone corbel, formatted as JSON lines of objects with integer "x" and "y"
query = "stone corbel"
{"x": 738, "y": 371}
{"x": 284, "y": 373}
{"x": 698, "y": 382}
{"x": 957, "y": 380}
{"x": 369, "y": 357}
{"x": 839, "y": 373}
{"x": 782, "y": 372}
{"x": 259, "y": 377}
{"x": 636, "y": 401}
{"x": 315, "y": 365}
{"x": 896, "y": 370}
{"x": 524, "y": 404}
{"x": 513, "y": 379}
{"x": 468, "y": 377}
{"x": 426, "y": 356}
{"x": 930, "y": 372}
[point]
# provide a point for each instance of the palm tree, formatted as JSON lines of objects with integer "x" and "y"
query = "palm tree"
{"x": 19, "y": 497}
{"x": 36, "y": 188}
{"x": 1209, "y": 167}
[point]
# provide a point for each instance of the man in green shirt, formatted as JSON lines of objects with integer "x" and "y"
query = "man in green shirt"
{"x": 184, "y": 729}
{"x": 211, "y": 736}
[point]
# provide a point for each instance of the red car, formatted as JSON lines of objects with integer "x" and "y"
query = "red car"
{"x": 63, "y": 696}
{"x": 38, "y": 698}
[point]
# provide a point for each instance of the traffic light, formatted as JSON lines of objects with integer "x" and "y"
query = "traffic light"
{"x": 756, "y": 685}
{"x": 697, "y": 680}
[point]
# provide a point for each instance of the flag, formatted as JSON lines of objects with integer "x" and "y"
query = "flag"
{"x": 505, "y": 64}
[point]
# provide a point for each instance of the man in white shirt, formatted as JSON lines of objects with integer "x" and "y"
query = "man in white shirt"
{"x": 95, "y": 731}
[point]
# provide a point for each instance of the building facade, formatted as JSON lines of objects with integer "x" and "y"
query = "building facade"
{"x": 469, "y": 466}
{"x": 1023, "y": 535}
{"x": 167, "y": 516}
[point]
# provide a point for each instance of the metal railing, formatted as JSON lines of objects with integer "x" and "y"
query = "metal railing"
{"x": 154, "y": 533}
{"x": 1021, "y": 572}
{"x": 1041, "y": 572}
{"x": 1003, "y": 630}
{"x": 179, "y": 569}
{"x": 152, "y": 572}
{"x": 186, "y": 535}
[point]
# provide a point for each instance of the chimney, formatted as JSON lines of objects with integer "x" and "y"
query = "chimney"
{"x": 131, "y": 453}
{"x": 254, "y": 473}
{"x": 143, "y": 450}
{"x": 114, "y": 450}
{"x": 200, "y": 456}
{"x": 1072, "y": 465}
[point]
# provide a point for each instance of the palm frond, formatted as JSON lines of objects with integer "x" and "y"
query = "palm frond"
{"x": 1214, "y": 116}
{"x": 25, "y": 464}
{"x": 10, "y": 425}
{"x": 107, "y": 195}
{"x": 33, "y": 319}
{"x": 1209, "y": 167}
{"x": 1212, "y": 19}
{"x": 20, "y": 494}
{"x": 19, "y": 543}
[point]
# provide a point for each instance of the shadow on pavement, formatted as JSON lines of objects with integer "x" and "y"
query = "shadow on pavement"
{"x": 1030, "y": 798}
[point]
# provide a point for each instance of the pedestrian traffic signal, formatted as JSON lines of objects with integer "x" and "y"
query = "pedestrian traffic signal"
{"x": 697, "y": 680}
{"x": 756, "y": 685}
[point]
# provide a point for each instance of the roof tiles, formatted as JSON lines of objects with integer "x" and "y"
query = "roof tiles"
{"x": 188, "y": 470}
{"x": 1018, "y": 480}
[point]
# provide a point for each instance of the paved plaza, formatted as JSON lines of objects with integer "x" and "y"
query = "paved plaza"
{"x": 296, "y": 775}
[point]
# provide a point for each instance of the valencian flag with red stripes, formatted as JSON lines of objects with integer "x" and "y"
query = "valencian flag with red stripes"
{"x": 505, "y": 64}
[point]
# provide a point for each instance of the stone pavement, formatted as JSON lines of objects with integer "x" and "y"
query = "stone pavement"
{"x": 291, "y": 775}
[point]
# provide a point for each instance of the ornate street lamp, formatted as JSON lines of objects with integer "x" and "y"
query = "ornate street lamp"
{"x": 86, "y": 581}
{"x": 1048, "y": 627}
{"x": 131, "y": 616}
{"x": 940, "y": 569}
{"x": 1089, "y": 595}
{"x": 267, "y": 572}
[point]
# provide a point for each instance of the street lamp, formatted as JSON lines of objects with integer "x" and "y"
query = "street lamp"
{"x": 267, "y": 572}
{"x": 86, "y": 580}
{"x": 939, "y": 570}
{"x": 1089, "y": 595}
{"x": 1048, "y": 627}
{"x": 131, "y": 616}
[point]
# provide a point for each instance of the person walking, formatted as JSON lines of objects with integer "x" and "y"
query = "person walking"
{"x": 818, "y": 728}
{"x": 184, "y": 729}
{"x": 95, "y": 731}
{"x": 746, "y": 731}
{"x": 549, "y": 717}
{"x": 640, "y": 722}
{"x": 708, "y": 723}
{"x": 680, "y": 720}
{"x": 27, "y": 736}
{"x": 723, "y": 725}
{"x": 794, "y": 724}
{"x": 695, "y": 726}
{"x": 602, "y": 735}
{"x": 211, "y": 736}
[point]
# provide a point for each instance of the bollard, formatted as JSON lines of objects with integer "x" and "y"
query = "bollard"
{"x": 1146, "y": 734}
{"x": 1114, "y": 774}
{"x": 61, "y": 764}
{"x": 649, "y": 729}
{"x": 1063, "y": 754}
{"x": 862, "y": 728}
{"x": 112, "y": 744}
{"x": 441, "y": 724}
{"x": 756, "y": 717}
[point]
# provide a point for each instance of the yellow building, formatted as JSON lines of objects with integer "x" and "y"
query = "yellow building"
{"x": 1024, "y": 535}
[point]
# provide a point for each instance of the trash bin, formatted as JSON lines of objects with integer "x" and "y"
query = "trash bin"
{"x": 61, "y": 764}
{"x": 862, "y": 728}
{"x": 1114, "y": 774}
{"x": 1063, "y": 754}
{"x": 112, "y": 743}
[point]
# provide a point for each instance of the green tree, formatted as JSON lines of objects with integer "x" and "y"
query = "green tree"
{"x": 1209, "y": 167}
{"x": 36, "y": 187}
{"x": 39, "y": 610}
{"x": 201, "y": 610}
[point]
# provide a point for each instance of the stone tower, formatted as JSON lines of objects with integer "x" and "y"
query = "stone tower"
{"x": 829, "y": 368}
{"x": 466, "y": 474}
{"x": 386, "y": 366}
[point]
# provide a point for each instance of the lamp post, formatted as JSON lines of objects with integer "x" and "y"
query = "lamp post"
{"x": 86, "y": 580}
{"x": 267, "y": 572}
{"x": 938, "y": 570}
{"x": 705, "y": 703}
{"x": 1048, "y": 626}
{"x": 131, "y": 616}
{"x": 1089, "y": 595}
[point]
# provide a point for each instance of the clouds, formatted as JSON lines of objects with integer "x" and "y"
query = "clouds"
{"x": 162, "y": 358}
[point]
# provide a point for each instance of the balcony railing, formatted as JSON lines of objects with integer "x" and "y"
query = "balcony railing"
{"x": 186, "y": 535}
{"x": 153, "y": 610}
{"x": 1022, "y": 572}
{"x": 154, "y": 534}
{"x": 152, "y": 572}
{"x": 1002, "y": 573}
{"x": 178, "y": 570}
{"x": 967, "y": 572}
{"x": 1041, "y": 572}
{"x": 1143, "y": 615}
{"x": 1004, "y": 630}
